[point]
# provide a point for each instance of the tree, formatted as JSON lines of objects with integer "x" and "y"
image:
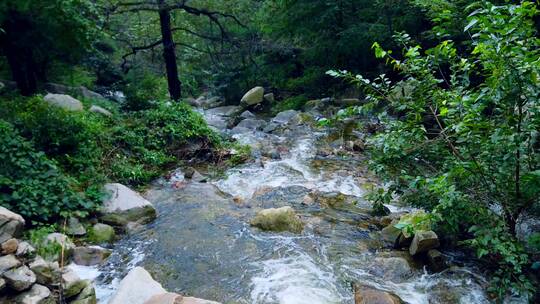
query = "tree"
{"x": 36, "y": 33}
{"x": 165, "y": 9}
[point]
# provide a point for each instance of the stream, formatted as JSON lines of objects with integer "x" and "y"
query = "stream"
{"x": 202, "y": 245}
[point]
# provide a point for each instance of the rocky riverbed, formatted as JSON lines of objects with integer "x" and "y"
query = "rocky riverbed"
{"x": 213, "y": 239}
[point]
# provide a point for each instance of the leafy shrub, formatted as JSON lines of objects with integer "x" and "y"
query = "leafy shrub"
{"x": 31, "y": 184}
{"x": 463, "y": 142}
{"x": 144, "y": 90}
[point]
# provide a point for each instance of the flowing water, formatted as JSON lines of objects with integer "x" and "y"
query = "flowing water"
{"x": 202, "y": 244}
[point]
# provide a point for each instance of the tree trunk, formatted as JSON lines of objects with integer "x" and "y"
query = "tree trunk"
{"x": 19, "y": 56}
{"x": 169, "y": 54}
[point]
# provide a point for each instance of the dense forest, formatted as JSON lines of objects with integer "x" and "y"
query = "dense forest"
{"x": 435, "y": 102}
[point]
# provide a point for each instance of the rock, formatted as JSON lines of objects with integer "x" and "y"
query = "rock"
{"x": 47, "y": 273}
{"x": 166, "y": 298}
{"x": 287, "y": 117}
{"x": 423, "y": 241}
{"x": 38, "y": 294}
{"x": 128, "y": 204}
{"x": 25, "y": 250}
{"x": 11, "y": 224}
{"x": 136, "y": 288}
{"x": 390, "y": 233}
{"x": 395, "y": 269}
{"x": 211, "y": 102}
{"x": 10, "y": 246}
{"x": 278, "y": 219}
{"x": 89, "y": 256}
{"x": 101, "y": 233}
{"x": 86, "y": 296}
{"x": 100, "y": 110}
{"x": 8, "y": 262}
{"x": 436, "y": 260}
{"x": 367, "y": 295}
{"x": 273, "y": 154}
{"x": 74, "y": 227}
{"x": 359, "y": 145}
{"x": 252, "y": 124}
{"x": 72, "y": 284}
{"x": 253, "y": 96}
{"x": 194, "y": 175}
{"x": 247, "y": 114}
{"x": 89, "y": 94}
{"x": 270, "y": 127}
{"x": 65, "y": 102}
{"x": 20, "y": 278}
{"x": 269, "y": 97}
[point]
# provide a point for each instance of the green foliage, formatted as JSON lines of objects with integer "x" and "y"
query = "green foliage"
{"x": 291, "y": 103}
{"x": 144, "y": 90}
{"x": 410, "y": 223}
{"x": 461, "y": 132}
{"x": 31, "y": 184}
{"x": 47, "y": 250}
{"x": 380, "y": 197}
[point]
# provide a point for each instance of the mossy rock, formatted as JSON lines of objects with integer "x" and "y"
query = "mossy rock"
{"x": 278, "y": 219}
{"x": 101, "y": 233}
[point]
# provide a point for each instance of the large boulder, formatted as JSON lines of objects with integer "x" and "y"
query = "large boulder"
{"x": 65, "y": 102}
{"x": 11, "y": 224}
{"x": 136, "y": 287}
{"x": 38, "y": 294}
{"x": 20, "y": 278}
{"x": 89, "y": 94}
{"x": 47, "y": 273}
{"x": 367, "y": 295}
{"x": 8, "y": 262}
{"x": 278, "y": 219}
{"x": 253, "y": 96}
{"x": 90, "y": 256}
{"x": 395, "y": 268}
{"x": 25, "y": 249}
{"x": 128, "y": 204}
{"x": 72, "y": 284}
{"x": 101, "y": 233}
{"x": 423, "y": 241}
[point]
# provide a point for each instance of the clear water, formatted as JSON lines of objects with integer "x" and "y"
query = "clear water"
{"x": 202, "y": 245}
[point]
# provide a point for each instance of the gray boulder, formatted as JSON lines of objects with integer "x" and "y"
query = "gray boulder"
{"x": 136, "y": 287}
{"x": 395, "y": 269}
{"x": 8, "y": 262}
{"x": 47, "y": 273}
{"x": 423, "y": 241}
{"x": 278, "y": 219}
{"x": 128, "y": 204}
{"x": 20, "y": 278}
{"x": 72, "y": 284}
{"x": 86, "y": 296}
{"x": 100, "y": 110}
{"x": 65, "y": 102}
{"x": 74, "y": 227}
{"x": 38, "y": 294}
{"x": 89, "y": 256}
{"x": 253, "y": 96}
{"x": 89, "y": 94}
{"x": 11, "y": 224}
{"x": 101, "y": 233}
{"x": 25, "y": 250}
{"x": 247, "y": 114}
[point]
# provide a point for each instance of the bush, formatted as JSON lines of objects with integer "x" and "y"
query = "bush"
{"x": 144, "y": 90}
{"x": 464, "y": 144}
{"x": 291, "y": 103}
{"x": 31, "y": 184}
